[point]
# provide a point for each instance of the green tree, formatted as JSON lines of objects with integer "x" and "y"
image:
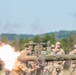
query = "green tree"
{"x": 21, "y": 43}
{"x": 64, "y": 44}
{"x": 46, "y": 38}
{"x": 68, "y": 42}
{"x": 37, "y": 38}
{"x": 5, "y": 40}
{"x": 50, "y": 38}
{"x": 53, "y": 39}
{"x": 18, "y": 44}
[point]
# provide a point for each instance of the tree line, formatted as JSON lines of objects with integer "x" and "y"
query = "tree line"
{"x": 66, "y": 43}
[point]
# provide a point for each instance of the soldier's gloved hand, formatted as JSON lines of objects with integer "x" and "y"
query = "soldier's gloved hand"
{"x": 37, "y": 67}
{"x": 55, "y": 54}
{"x": 29, "y": 70}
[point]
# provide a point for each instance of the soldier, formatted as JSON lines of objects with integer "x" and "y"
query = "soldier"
{"x": 48, "y": 48}
{"x": 27, "y": 50}
{"x": 34, "y": 66}
{"x": 43, "y": 52}
{"x": 74, "y": 50}
{"x": 58, "y": 49}
{"x": 2, "y": 68}
{"x": 52, "y": 62}
{"x": 73, "y": 62}
{"x": 58, "y": 65}
{"x": 31, "y": 43}
{"x": 52, "y": 49}
{"x": 38, "y": 47}
{"x": 48, "y": 69}
{"x": 23, "y": 68}
{"x": 6, "y": 72}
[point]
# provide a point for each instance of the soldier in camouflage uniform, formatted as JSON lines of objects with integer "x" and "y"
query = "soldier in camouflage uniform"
{"x": 52, "y": 49}
{"x": 2, "y": 69}
{"x": 48, "y": 69}
{"x": 48, "y": 48}
{"x": 6, "y": 72}
{"x": 43, "y": 52}
{"x": 27, "y": 50}
{"x": 31, "y": 45}
{"x": 23, "y": 68}
{"x": 58, "y": 49}
{"x": 58, "y": 65}
{"x": 35, "y": 67}
{"x": 73, "y": 62}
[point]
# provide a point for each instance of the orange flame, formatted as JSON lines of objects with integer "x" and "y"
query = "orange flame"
{"x": 8, "y": 55}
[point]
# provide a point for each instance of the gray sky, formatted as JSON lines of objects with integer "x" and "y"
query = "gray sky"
{"x": 37, "y": 16}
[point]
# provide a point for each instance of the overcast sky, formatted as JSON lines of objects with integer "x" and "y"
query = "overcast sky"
{"x": 37, "y": 16}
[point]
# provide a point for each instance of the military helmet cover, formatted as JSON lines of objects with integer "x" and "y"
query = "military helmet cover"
{"x": 52, "y": 45}
{"x": 58, "y": 43}
{"x": 75, "y": 46}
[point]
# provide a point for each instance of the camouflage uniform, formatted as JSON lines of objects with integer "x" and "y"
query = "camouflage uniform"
{"x": 6, "y": 72}
{"x": 43, "y": 52}
{"x": 17, "y": 69}
{"x": 31, "y": 45}
{"x": 48, "y": 50}
{"x": 58, "y": 65}
{"x": 23, "y": 68}
{"x": 48, "y": 69}
{"x": 73, "y": 63}
{"x": 52, "y": 50}
{"x": 38, "y": 47}
{"x": 26, "y": 51}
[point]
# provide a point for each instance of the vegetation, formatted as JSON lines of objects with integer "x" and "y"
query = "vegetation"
{"x": 19, "y": 41}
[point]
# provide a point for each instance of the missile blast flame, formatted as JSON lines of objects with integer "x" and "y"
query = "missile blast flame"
{"x": 8, "y": 55}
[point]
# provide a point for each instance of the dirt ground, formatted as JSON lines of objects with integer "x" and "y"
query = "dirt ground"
{"x": 66, "y": 72}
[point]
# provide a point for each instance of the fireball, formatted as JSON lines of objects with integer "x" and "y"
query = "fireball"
{"x": 8, "y": 55}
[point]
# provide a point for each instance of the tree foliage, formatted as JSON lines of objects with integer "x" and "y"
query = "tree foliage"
{"x": 67, "y": 43}
{"x": 37, "y": 39}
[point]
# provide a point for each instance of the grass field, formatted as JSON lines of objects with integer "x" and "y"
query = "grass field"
{"x": 66, "y": 72}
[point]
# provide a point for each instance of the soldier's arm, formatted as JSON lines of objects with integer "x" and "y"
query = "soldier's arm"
{"x": 63, "y": 52}
{"x": 35, "y": 68}
{"x": 24, "y": 68}
{"x": 72, "y": 52}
